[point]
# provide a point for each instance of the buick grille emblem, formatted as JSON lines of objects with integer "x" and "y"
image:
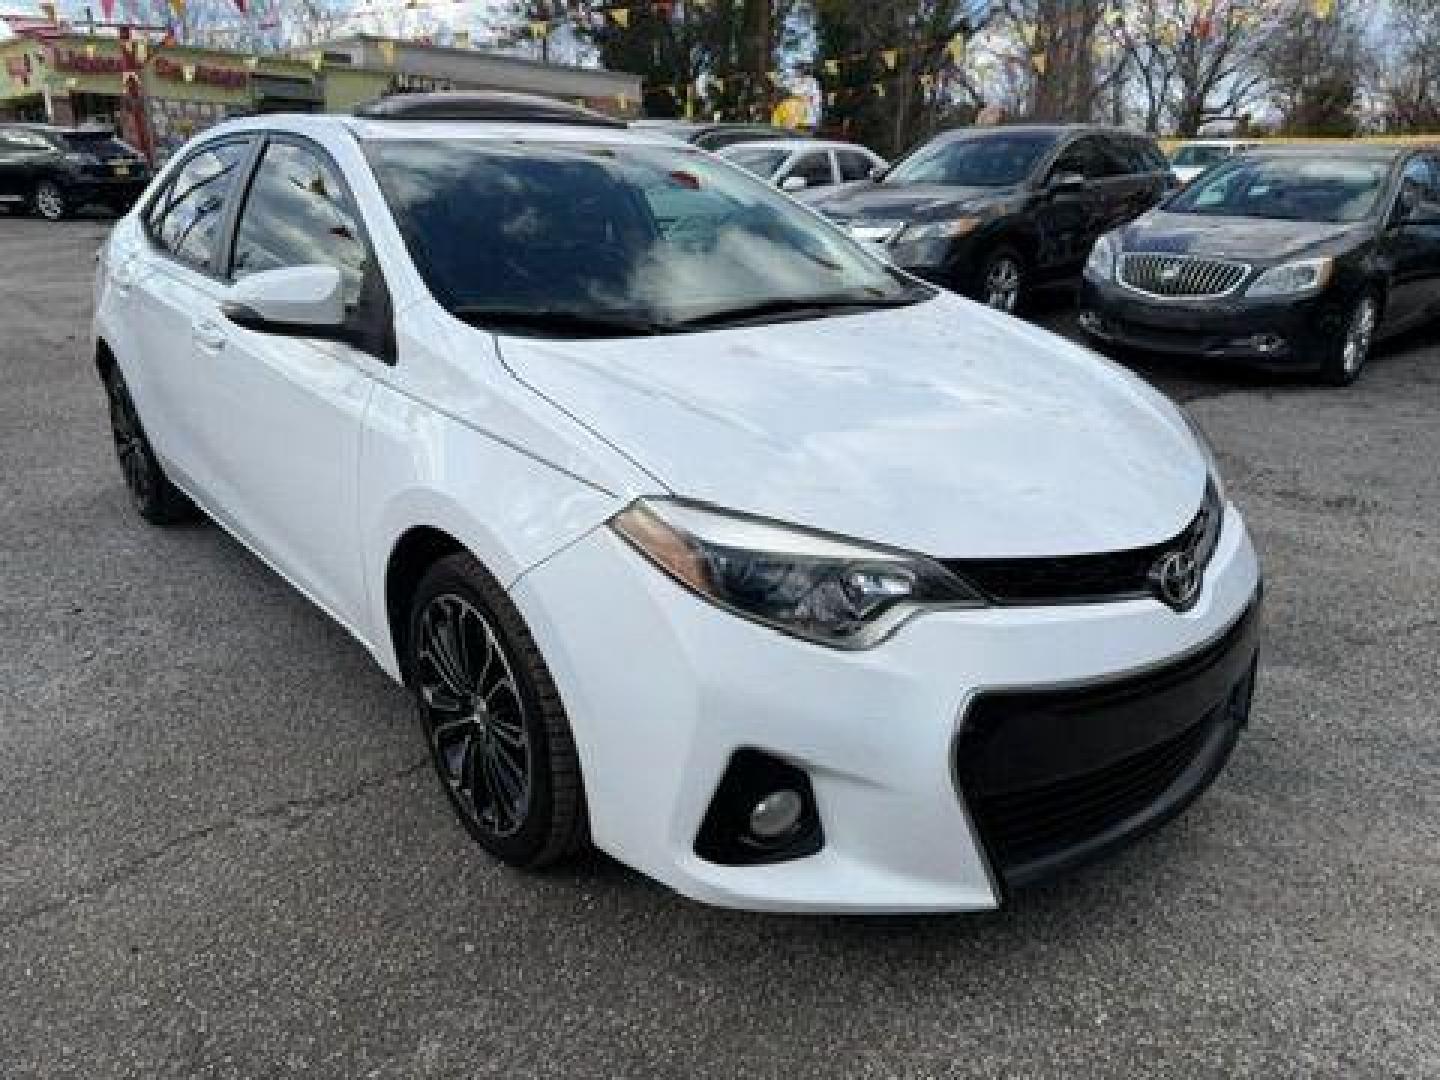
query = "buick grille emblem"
{"x": 1176, "y": 579}
{"x": 1170, "y": 273}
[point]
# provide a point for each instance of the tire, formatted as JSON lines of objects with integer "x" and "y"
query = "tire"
{"x": 158, "y": 500}
{"x": 1002, "y": 281}
{"x": 497, "y": 731}
{"x": 1347, "y": 359}
{"x": 49, "y": 201}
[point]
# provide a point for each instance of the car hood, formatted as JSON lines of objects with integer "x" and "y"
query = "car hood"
{"x": 944, "y": 428}
{"x": 1260, "y": 239}
{"x": 900, "y": 202}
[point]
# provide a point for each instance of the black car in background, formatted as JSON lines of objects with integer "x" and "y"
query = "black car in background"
{"x": 716, "y": 136}
{"x": 54, "y": 170}
{"x": 1295, "y": 257}
{"x": 993, "y": 212}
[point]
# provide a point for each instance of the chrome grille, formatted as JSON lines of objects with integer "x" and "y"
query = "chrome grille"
{"x": 1180, "y": 275}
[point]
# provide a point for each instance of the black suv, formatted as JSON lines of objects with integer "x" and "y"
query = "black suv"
{"x": 54, "y": 170}
{"x": 993, "y": 212}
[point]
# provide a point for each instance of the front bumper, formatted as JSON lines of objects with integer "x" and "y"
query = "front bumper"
{"x": 1280, "y": 332}
{"x": 663, "y": 689}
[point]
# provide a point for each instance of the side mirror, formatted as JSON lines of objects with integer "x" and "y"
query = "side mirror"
{"x": 794, "y": 183}
{"x": 1068, "y": 183}
{"x": 878, "y": 173}
{"x": 298, "y": 301}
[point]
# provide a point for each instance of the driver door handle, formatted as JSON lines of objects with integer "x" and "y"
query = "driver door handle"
{"x": 209, "y": 335}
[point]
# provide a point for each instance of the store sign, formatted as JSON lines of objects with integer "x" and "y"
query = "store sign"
{"x": 231, "y": 78}
{"x": 419, "y": 84}
{"x": 99, "y": 64}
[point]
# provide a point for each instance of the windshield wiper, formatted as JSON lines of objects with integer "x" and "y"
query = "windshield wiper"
{"x": 559, "y": 322}
{"x": 795, "y": 305}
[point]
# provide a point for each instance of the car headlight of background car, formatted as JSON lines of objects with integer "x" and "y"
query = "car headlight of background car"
{"x": 937, "y": 230}
{"x": 824, "y": 589}
{"x": 1101, "y": 264}
{"x": 1291, "y": 279}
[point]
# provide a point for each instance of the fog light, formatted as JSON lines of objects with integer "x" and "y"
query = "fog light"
{"x": 1265, "y": 343}
{"x": 777, "y": 815}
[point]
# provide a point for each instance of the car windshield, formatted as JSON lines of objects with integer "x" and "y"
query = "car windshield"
{"x": 618, "y": 238}
{"x": 99, "y": 143}
{"x": 996, "y": 160}
{"x": 1199, "y": 157}
{"x": 1291, "y": 189}
{"x": 761, "y": 161}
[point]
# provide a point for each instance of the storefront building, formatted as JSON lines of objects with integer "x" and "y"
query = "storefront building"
{"x": 158, "y": 96}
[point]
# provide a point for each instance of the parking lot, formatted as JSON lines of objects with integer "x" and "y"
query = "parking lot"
{"x": 223, "y": 854}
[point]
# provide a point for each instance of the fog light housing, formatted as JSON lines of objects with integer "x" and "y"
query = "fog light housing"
{"x": 763, "y": 811}
{"x": 1264, "y": 344}
{"x": 1091, "y": 322}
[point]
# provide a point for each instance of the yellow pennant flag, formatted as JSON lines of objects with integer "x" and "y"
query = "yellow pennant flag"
{"x": 178, "y": 7}
{"x": 1039, "y": 61}
{"x": 387, "y": 53}
{"x": 956, "y": 48}
{"x": 891, "y": 57}
{"x": 622, "y": 18}
{"x": 538, "y": 28}
{"x": 623, "y": 100}
{"x": 1324, "y": 8}
{"x": 317, "y": 59}
{"x": 832, "y": 66}
{"x": 188, "y": 71}
{"x": 252, "y": 62}
{"x": 90, "y": 52}
{"x": 142, "y": 51}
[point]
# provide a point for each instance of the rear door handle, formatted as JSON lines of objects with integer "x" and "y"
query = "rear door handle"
{"x": 208, "y": 335}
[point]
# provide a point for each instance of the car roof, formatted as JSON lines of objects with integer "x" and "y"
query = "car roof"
{"x": 1350, "y": 151}
{"x": 799, "y": 142}
{"x": 367, "y": 129}
{"x": 1057, "y": 131}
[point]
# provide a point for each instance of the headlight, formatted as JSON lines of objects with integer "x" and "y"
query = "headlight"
{"x": 1307, "y": 275}
{"x": 937, "y": 230}
{"x": 1101, "y": 264}
{"x": 824, "y": 589}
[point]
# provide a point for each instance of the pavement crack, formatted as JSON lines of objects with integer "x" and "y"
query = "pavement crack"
{"x": 292, "y": 813}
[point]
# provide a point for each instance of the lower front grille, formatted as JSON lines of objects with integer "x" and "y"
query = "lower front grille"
{"x": 1055, "y": 777}
{"x": 1180, "y": 275}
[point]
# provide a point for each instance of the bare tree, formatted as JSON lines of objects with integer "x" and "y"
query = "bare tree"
{"x": 1408, "y": 74}
{"x": 1193, "y": 60}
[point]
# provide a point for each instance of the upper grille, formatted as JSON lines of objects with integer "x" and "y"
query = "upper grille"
{"x": 1088, "y": 579}
{"x": 1180, "y": 275}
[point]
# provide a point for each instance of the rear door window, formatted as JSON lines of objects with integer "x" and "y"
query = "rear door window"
{"x": 814, "y": 167}
{"x": 185, "y": 220}
{"x": 100, "y": 143}
{"x": 853, "y": 165}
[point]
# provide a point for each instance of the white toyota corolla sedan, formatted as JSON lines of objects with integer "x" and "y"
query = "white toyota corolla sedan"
{"x": 698, "y": 532}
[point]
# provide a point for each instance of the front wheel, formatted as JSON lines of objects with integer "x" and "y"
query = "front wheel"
{"x": 1002, "y": 280}
{"x": 1345, "y": 362}
{"x": 497, "y": 731}
{"x": 50, "y": 201}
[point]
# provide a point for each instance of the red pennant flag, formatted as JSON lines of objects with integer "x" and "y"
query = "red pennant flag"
{"x": 107, "y": 9}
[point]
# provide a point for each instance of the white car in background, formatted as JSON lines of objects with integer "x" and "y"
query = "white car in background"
{"x": 804, "y": 164}
{"x": 1190, "y": 159}
{"x": 697, "y": 533}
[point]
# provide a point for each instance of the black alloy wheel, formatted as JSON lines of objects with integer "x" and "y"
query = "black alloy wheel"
{"x": 1349, "y": 356}
{"x": 497, "y": 731}
{"x": 1002, "y": 280}
{"x": 158, "y": 501}
{"x": 49, "y": 201}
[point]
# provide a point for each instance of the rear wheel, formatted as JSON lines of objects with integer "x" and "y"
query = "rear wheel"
{"x": 497, "y": 731}
{"x": 1345, "y": 362}
{"x": 158, "y": 501}
{"x": 1002, "y": 280}
{"x": 50, "y": 201}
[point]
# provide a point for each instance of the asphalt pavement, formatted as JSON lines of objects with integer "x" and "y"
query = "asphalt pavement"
{"x": 223, "y": 855}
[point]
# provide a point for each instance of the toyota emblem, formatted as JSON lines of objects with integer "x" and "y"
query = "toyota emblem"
{"x": 1176, "y": 579}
